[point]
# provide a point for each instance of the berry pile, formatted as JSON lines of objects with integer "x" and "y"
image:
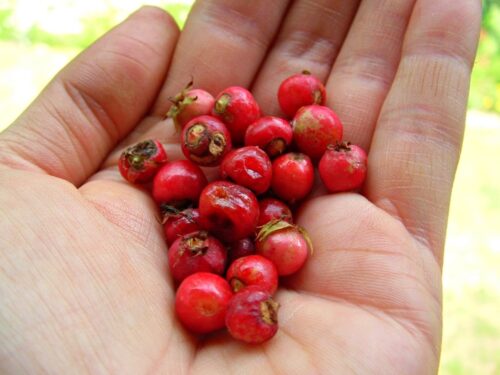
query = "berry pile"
{"x": 230, "y": 240}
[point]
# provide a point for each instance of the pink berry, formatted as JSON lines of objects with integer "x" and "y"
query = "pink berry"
{"x": 314, "y": 128}
{"x": 228, "y": 210}
{"x": 284, "y": 244}
{"x": 201, "y": 302}
{"x": 343, "y": 167}
{"x": 252, "y": 270}
{"x": 196, "y": 252}
{"x": 205, "y": 141}
{"x": 293, "y": 177}
{"x": 273, "y": 209}
{"x": 252, "y": 316}
{"x": 300, "y": 90}
{"x": 178, "y": 183}
{"x": 237, "y": 107}
{"x": 179, "y": 223}
{"x": 249, "y": 167}
{"x": 240, "y": 248}
{"x": 140, "y": 162}
{"x": 272, "y": 134}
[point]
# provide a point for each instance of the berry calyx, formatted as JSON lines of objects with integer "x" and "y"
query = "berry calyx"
{"x": 293, "y": 176}
{"x": 272, "y": 209}
{"x": 272, "y": 134}
{"x": 140, "y": 162}
{"x": 252, "y": 270}
{"x": 300, "y": 90}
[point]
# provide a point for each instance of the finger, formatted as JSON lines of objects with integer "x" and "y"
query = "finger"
{"x": 310, "y": 39}
{"x": 223, "y": 44}
{"x": 94, "y": 101}
{"x": 366, "y": 65}
{"x": 417, "y": 141}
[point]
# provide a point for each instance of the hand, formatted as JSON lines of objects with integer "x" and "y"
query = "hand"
{"x": 84, "y": 286}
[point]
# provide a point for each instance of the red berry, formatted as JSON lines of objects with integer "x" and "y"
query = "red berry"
{"x": 228, "y": 210}
{"x": 252, "y": 316}
{"x": 239, "y": 249}
{"x": 300, "y": 90}
{"x": 178, "y": 183}
{"x": 273, "y": 209}
{"x": 293, "y": 176}
{"x": 201, "y": 302}
{"x": 196, "y": 252}
{"x": 252, "y": 270}
{"x": 205, "y": 140}
{"x": 249, "y": 167}
{"x": 314, "y": 128}
{"x": 237, "y": 107}
{"x": 188, "y": 104}
{"x": 286, "y": 245}
{"x": 343, "y": 167}
{"x": 140, "y": 162}
{"x": 272, "y": 134}
{"x": 179, "y": 223}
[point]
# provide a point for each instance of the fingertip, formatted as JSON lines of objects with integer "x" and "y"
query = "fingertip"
{"x": 156, "y": 14}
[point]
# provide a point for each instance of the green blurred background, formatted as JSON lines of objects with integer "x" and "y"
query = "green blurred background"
{"x": 37, "y": 38}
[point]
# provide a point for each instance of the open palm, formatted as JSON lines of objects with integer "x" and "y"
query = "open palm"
{"x": 84, "y": 285}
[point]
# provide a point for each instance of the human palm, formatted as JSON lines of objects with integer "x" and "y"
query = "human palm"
{"x": 84, "y": 282}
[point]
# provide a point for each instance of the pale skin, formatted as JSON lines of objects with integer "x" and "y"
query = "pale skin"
{"x": 84, "y": 286}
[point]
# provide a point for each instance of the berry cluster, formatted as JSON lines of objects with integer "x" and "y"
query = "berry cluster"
{"x": 230, "y": 240}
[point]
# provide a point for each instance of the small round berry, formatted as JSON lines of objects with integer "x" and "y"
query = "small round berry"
{"x": 178, "y": 223}
{"x": 140, "y": 162}
{"x": 178, "y": 183}
{"x": 300, "y": 90}
{"x": 252, "y": 316}
{"x": 205, "y": 141}
{"x": 293, "y": 177}
{"x": 228, "y": 210}
{"x": 314, "y": 128}
{"x": 240, "y": 248}
{"x": 272, "y": 134}
{"x": 201, "y": 302}
{"x": 249, "y": 167}
{"x": 273, "y": 209}
{"x": 252, "y": 270}
{"x": 343, "y": 167}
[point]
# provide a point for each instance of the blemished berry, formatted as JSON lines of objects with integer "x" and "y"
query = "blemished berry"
{"x": 201, "y": 302}
{"x": 300, "y": 90}
{"x": 272, "y": 209}
{"x": 272, "y": 134}
{"x": 284, "y": 244}
{"x": 237, "y": 108}
{"x": 178, "y": 223}
{"x": 293, "y": 176}
{"x": 314, "y": 128}
{"x": 140, "y": 162}
{"x": 252, "y": 316}
{"x": 228, "y": 210}
{"x": 249, "y": 167}
{"x": 205, "y": 141}
{"x": 343, "y": 167}
{"x": 252, "y": 270}
{"x": 240, "y": 248}
{"x": 188, "y": 104}
{"x": 196, "y": 252}
{"x": 178, "y": 183}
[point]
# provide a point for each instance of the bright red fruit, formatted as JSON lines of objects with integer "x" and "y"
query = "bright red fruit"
{"x": 300, "y": 90}
{"x": 252, "y": 316}
{"x": 228, "y": 210}
{"x": 237, "y": 107}
{"x": 179, "y": 223}
{"x": 178, "y": 183}
{"x": 196, "y": 252}
{"x": 205, "y": 140}
{"x": 272, "y": 134}
{"x": 201, "y": 302}
{"x": 252, "y": 270}
{"x": 314, "y": 128}
{"x": 249, "y": 167}
{"x": 286, "y": 245}
{"x": 239, "y": 249}
{"x": 343, "y": 167}
{"x": 140, "y": 162}
{"x": 293, "y": 176}
{"x": 272, "y": 209}
{"x": 188, "y": 104}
